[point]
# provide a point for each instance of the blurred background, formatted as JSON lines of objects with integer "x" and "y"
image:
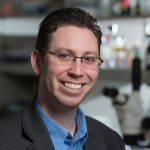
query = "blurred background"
{"x": 121, "y": 97}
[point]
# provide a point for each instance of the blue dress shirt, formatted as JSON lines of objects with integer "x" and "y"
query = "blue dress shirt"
{"x": 61, "y": 138}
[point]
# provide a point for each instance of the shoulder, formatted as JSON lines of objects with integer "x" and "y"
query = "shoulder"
{"x": 11, "y": 134}
{"x": 10, "y": 124}
{"x": 10, "y": 130}
{"x": 10, "y": 119}
{"x": 95, "y": 124}
{"x": 99, "y": 129}
{"x": 101, "y": 135}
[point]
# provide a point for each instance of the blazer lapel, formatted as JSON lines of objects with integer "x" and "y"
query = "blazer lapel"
{"x": 94, "y": 141}
{"x": 35, "y": 130}
{"x": 93, "y": 144}
{"x": 41, "y": 144}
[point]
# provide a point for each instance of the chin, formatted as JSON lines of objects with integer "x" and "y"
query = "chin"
{"x": 71, "y": 102}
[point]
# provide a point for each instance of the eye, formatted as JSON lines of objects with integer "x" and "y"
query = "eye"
{"x": 89, "y": 59}
{"x": 64, "y": 55}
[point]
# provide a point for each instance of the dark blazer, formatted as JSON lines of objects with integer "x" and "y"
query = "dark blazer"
{"x": 26, "y": 131}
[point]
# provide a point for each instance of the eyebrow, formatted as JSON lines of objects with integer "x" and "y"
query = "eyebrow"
{"x": 89, "y": 52}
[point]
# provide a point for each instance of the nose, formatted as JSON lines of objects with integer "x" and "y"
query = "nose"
{"x": 76, "y": 69}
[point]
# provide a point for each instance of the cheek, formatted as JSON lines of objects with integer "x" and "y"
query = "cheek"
{"x": 49, "y": 77}
{"x": 94, "y": 75}
{"x": 54, "y": 72}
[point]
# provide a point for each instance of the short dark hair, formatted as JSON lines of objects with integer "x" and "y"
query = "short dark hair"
{"x": 63, "y": 17}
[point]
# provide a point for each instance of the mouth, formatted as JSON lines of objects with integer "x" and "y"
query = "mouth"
{"x": 72, "y": 85}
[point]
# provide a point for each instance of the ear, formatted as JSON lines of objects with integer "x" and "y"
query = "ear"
{"x": 36, "y": 62}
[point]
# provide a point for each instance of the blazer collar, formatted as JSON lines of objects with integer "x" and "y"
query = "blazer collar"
{"x": 93, "y": 144}
{"x": 35, "y": 131}
{"x": 95, "y": 140}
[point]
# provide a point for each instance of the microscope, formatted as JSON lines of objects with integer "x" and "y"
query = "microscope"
{"x": 129, "y": 107}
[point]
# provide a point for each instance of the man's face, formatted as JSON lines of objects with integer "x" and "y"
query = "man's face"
{"x": 68, "y": 85}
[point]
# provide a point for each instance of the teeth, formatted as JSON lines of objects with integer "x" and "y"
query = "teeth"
{"x": 73, "y": 86}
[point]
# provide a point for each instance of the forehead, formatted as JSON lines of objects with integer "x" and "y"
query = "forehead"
{"x": 73, "y": 37}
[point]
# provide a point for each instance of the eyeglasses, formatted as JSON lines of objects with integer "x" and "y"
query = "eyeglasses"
{"x": 66, "y": 58}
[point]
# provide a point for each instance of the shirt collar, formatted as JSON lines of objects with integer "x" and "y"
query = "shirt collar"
{"x": 58, "y": 133}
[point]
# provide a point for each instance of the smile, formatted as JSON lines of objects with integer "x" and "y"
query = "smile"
{"x": 72, "y": 85}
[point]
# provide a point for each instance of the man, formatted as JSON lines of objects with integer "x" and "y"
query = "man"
{"x": 66, "y": 59}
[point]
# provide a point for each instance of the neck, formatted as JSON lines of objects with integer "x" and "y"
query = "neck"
{"x": 65, "y": 119}
{"x": 62, "y": 115}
